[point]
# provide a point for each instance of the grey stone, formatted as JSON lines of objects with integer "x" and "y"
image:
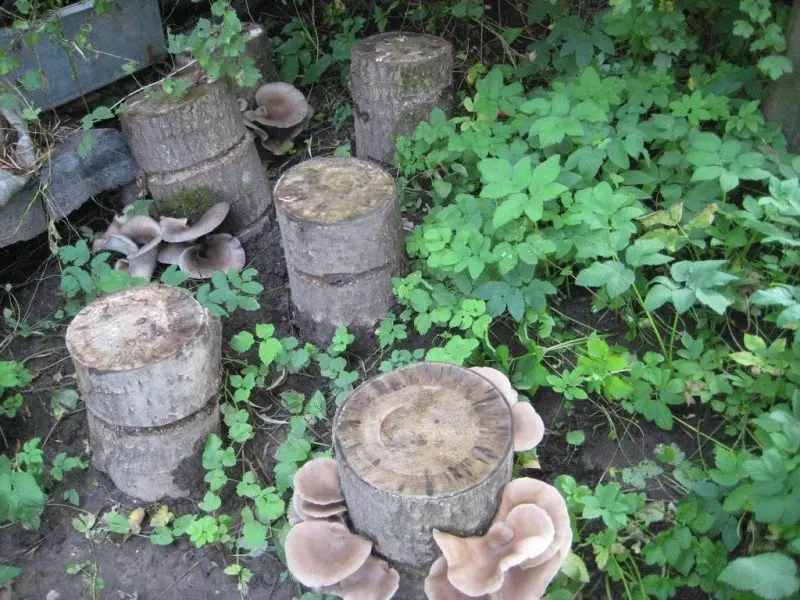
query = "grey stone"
{"x": 71, "y": 179}
{"x": 22, "y": 218}
{"x": 67, "y": 181}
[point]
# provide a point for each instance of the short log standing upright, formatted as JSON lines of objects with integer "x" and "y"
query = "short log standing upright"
{"x": 343, "y": 241}
{"x": 396, "y": 80}
{"x": 148, "y": 363}
{"x": 423, "y": 447}
{"x": 196, "y": 147}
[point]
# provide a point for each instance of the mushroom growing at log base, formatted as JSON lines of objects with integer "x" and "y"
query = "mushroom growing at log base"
{"x": 218, "y": 252}
{"x": 528, "y": 425}
{"x": 281, "y": 114}
{"x": 139, "y": 238}
{"x": 529, "y": 510}
{"x": 322, "y": 553}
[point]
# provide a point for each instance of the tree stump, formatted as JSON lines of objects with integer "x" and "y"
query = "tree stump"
{"x": 396, "y": 80}
{"x": 257, "y": 47}
{"x": 148, "y": 364}
{"x": 426, "y": 446}
{"x": 199, "y": 143}
{"x": 343, "y": 241}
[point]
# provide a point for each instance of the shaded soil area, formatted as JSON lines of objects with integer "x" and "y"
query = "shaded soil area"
{"x": 133, "y": 567}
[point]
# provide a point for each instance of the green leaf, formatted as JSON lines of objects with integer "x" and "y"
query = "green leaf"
{"x": 242, "y": 341}
{"x": 8, "y": 573}
{"x": 772, "y": 575}
{"x": 646, "y": 252}
{"x": 210, "y": 503}
{"x": 268, "y": 350}
{"x": 774, "y": 66}
{"x": 707, "y": 173}
{"x": 576, "y": 437}
{"x": 161, "y": 536}
{"x": 615, "y": 276}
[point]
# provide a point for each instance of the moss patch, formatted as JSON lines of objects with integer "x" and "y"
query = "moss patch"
{"x": 190, "y": 203}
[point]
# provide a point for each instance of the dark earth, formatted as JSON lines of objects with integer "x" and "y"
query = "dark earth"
{"x": 133, "y": 567}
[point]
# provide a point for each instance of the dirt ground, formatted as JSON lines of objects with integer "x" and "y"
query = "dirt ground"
{"x": 134, "y": 568}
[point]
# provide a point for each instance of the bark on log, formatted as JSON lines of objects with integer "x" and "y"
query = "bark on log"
{"x": 237, "y": 177}
{"x": 169, "y": 135}
{"x": 396, "y": 80}
{"x": 780, "y": 102}
{"x": 427, "y": 446}
{"x": 148, "y": 363}
{"x": 195, "y": 151}
{"x": 343, "y": 241}
{"x": 257, "y": 48}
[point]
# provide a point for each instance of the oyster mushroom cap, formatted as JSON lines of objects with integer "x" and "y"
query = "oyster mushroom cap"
{"x": 476, "y": 565}
{"x": 309, "y": 510}
{"x": 321, "y": 553}
{"x": 317, "y": 482}
{"x": 526, "y": 490}
{"x": 280, "y": 105}
{"x": 528, "y": 427}
{"x": 178, "y": 230}
{"x": 218, "y": 252}
{"x": 143, "y": 230}
{"x": 141, "y": 266}
{"x": 438, "y": 587}
{"x": 170, "y": 254}
{"x": 374, "y": 580}
{"x": 524, "y": 584}
{"x": 115, "y": 242}
{"x": 500, "y": 381}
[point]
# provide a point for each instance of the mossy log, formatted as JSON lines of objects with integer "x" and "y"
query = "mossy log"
{"x": 343, "y": 241}
{"x": 148, "y": 364}
{"x": 197, "y": 147}
{"x": 426, "y": 446}
{"x": 237, "y": 177}
{"x": 396, "y": 80}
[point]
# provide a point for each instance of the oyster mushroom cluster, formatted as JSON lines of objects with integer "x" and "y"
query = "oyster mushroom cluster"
{"x": 321, "y": 552}
{"x": 525, "y": 547}
{"x": 280, "y": 114}
{"x": 146, "y": 242}
{"x": 529, "y": 539}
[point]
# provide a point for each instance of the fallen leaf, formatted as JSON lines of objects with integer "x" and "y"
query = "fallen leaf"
{"x": 162, "y": 516}
{"x": 135, "y": 519}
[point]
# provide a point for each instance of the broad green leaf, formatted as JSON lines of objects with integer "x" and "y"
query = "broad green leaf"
{"x": 772, "y": 575}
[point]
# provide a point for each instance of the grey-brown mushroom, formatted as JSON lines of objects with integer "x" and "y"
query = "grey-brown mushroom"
{"x": 141, "y": 266}
{"x": 527, "y": 490}
{"x": 476, "y": 565}
{"x": 374, "y": 580}
{"x": 317, "y": 481}
{"x": 218, "y": 252}
{"x": 143, "y": 230}
{"x": 178, "y": 230}
{"x": 282, "y": 112}
{"x": 170, "y": 254}
{"x": 323, "y": 553}
{"x": 528, "y": 427}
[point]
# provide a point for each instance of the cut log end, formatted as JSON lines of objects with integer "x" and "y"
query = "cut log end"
{"x": 135, "y": 328}
{"x": 430, "y": 429}
{"x": 334, "y": 190}
{"x": 425, "y": 447}
{"x": 403, "y": 48}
